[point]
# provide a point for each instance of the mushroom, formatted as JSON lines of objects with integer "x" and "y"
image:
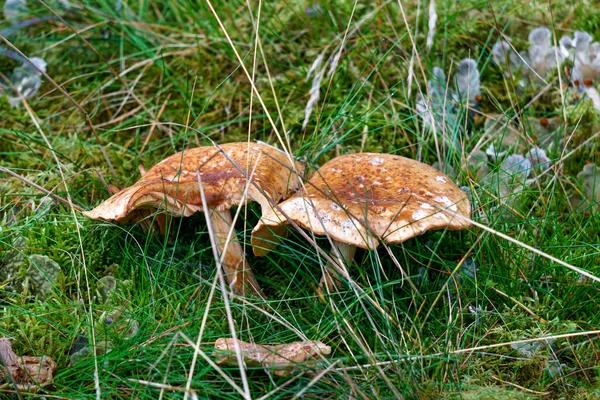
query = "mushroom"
{"x": 172, "y": 187}
{"x": 359, "y": 200}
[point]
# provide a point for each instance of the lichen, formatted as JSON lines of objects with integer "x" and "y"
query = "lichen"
{"x": 12, "y": 262}
{"x": 442, "y": 106}
{"x": 43, "y": 273}
{"x": 541, "y": 59}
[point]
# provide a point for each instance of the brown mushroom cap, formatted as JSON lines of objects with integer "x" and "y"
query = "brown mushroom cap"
{"x": 172, "y": 184}
{"x": 360, "y": 199}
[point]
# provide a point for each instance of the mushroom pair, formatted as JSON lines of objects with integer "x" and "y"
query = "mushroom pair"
{"x": 360, "y": 200}
{"x": 230, "y": 175}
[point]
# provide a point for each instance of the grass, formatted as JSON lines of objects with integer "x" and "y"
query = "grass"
{"x": 154, "y": 78}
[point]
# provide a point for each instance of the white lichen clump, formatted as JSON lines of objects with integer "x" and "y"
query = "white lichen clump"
{"x": 467, "y": 84}
{"x": 585, "y": 55}
{"x": 534, "y": 65}
{"x": 513, "y": 172}
{"x": 542, "y": 58}
{"x": 14, "y": 10}
{"x": 590, "y": 177}
{"x": 538, "y": 157}
{"x": 442, "y": 104}
{"x": 26, "y": 80}
{"x": 432, "y": 106}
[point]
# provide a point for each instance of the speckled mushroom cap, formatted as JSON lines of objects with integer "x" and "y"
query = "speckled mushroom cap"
{"x": 172, "y": 184}
{"x": 360, "y": 199}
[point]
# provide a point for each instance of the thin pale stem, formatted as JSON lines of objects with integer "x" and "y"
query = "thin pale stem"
{"x": 329, "y": 280}
{"x": 236, "y": 269}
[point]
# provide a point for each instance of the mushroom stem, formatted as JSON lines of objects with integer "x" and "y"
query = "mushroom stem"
{"x": 329, "y": 280}
{"x": 236, "y": 269}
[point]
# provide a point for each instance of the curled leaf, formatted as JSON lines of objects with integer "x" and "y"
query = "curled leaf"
{"x": 283, "y": 359}
{"x": 431, "y": 106}
{"x": 26, "y": 372}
